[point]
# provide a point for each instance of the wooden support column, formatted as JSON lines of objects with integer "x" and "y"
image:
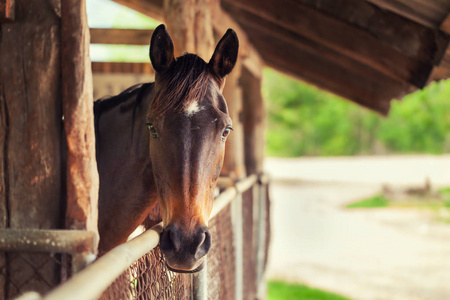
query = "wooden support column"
{"x": 234, "y": 164}
{"x": 254, "y": 122}
{"x": 189, "y": 25}
{"x": 30, "y": 137}
{"x": 82, "y": 176}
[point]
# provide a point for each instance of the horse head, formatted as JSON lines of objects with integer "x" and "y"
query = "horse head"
{"x": 188, "y": 124}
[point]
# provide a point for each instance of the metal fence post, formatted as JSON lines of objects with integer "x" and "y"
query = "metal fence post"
{"x": 236, "y": 219}
{"x": 200, "y": 283}
{"x": 261, "y": 233}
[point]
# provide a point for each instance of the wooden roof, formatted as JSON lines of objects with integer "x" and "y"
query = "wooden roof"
{"x": 368, "y": 51}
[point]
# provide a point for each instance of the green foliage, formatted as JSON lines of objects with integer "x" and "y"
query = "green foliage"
{"x": 284, "y": 291}
{"x": 305, "y": 121}
{"x": 376, "y": 201}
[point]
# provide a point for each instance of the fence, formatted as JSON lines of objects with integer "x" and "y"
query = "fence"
{"x": 235, "y": 264}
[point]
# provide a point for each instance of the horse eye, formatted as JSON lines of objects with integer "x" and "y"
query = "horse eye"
{"x": 152, "y": 130}
{"x": 226, "y": 133}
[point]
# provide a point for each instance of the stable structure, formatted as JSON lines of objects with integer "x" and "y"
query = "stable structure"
{"x": 367, "y": 51}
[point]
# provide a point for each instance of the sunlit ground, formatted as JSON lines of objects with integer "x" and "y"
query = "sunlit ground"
{"x": 375, "y": 254}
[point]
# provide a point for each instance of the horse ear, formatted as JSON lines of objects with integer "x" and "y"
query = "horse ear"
{"x": 161, "y": 49}
{"x": 224, "y": 58}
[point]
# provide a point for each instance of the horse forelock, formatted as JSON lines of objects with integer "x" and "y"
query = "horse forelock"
{"x": 186, "y": 82}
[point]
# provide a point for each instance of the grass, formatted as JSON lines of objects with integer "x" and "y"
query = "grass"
{"x": 285, "y": 291}
{"x": 438, "y": 204}
{"x": 376, "y": 201}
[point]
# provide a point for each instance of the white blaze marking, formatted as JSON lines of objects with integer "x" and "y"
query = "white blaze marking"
{"x": 193, "y": 109}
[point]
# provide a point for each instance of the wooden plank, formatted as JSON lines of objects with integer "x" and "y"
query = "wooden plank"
{"x": 274, "y": 32}
{"x": 122, "y": 67}
{"x": 151, "y": 8}
{"x": 406, "y": 36}
{"x": 7, "y": 10}
{"x": 31, "y": 116}
{"x": 326, "y": 74}
{"x": 425, "y": 12}
{"x": 340, "y": 36}
{"x": 117, "y": 36}
{"x": 82, "y": 175}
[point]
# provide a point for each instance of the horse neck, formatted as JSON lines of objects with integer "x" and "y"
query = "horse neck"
{"x": 123, "y": 146}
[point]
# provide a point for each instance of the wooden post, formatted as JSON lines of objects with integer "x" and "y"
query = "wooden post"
{"x": 30, "y": 135}
{"x": 253, "y": 115}
{"x": 189, "y": 24}
{"x": 234, "y": 165}
{"x": 82, "y": 176}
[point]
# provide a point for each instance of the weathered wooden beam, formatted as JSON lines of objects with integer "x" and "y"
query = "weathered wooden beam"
{"x": 122, "y": 67}
{"x": 425, "y": 12}
{"x": 274, "y": 33}
{"x": 406, "y": 36}
{"x": 340, "y": 36}
{"x": 151, "y": 8}
{"x": 7, "y": 10}
{"x": 82, "y": 175}
{"x": 327, "y": 74}
{"x": 117, "y": 36}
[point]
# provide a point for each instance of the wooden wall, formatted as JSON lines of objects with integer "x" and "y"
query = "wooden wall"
{"x": 48, "y": 176}
{"x": 31, "y": 173}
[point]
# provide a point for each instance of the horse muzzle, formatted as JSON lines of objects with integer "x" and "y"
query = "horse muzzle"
{"x": 184, "y": 252}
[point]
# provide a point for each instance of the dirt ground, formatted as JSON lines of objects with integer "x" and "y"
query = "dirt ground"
{"x": 363, "y": 254}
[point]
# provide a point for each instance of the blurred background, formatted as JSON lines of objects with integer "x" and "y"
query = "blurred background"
{"x": 360, "y": 201}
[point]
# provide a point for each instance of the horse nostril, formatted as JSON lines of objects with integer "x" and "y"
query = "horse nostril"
{"x": 170, "y": 239}
{"x": 204, "y": 245}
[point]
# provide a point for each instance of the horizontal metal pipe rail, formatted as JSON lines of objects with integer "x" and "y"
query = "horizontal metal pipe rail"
{"x": 110, "y": 266}
{"x": 107, "y": 268}
{"x": 78, "y": 243}
{"x": 41, "y": 240}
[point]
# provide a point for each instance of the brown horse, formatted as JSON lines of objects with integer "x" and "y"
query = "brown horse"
{"x": 164, "y": 142}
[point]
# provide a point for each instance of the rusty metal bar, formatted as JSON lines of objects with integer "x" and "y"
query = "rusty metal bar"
{"x": 261, "y": 233}
{"x": 52, "y": 241}
{"x": 238, "y": 243}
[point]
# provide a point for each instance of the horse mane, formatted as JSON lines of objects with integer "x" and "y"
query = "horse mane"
{"x": 187, "y": 80}
{"x": 106, "y": 103}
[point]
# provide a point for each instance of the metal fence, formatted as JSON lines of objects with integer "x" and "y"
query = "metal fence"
{"x": 234, "y": 268}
